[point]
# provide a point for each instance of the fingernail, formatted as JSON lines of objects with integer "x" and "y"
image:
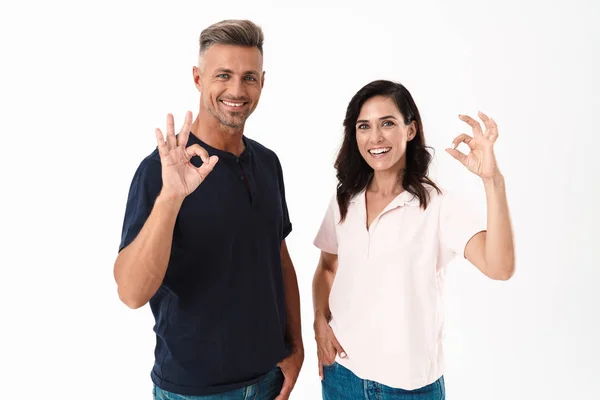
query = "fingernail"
{"x": 343, "y": 354}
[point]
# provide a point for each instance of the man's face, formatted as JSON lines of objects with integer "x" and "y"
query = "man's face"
{"x": 230, "y": 79}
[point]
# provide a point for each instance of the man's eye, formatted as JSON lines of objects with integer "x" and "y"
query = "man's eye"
{"x": 223, "y": 76}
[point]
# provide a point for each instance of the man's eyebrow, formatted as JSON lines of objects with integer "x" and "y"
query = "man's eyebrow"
{"x": 229, "y": 71}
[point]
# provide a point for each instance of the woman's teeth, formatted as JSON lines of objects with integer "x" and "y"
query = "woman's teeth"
{"x": 380, "y": 150}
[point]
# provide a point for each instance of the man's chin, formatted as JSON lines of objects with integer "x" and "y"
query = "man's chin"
{"x": 232, "y": 124}
{"x": 236, "y": 122}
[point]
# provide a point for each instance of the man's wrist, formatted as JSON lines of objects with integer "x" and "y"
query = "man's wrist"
{"x": 168, "y": 199}
{"x": 297, "y": 348}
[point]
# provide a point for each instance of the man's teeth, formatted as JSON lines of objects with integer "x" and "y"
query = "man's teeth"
{"x": 380, "y": 150}
{"x": 230, "y": 104}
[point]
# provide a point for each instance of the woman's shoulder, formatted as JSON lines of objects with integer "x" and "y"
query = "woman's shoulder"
{"x": 443, "y": 197}
{"x": 436, "y": 192}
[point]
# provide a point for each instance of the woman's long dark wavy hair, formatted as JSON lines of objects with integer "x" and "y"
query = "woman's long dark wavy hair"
{"x": 353, "y": 172}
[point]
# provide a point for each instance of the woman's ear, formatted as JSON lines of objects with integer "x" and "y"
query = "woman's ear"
{"x": 412, "y": 131}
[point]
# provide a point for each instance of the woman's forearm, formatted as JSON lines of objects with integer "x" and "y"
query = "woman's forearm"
{"x": 499, "y": 247}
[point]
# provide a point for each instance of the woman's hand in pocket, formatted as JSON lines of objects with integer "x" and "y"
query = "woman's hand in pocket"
{"x": 327, "y": 344}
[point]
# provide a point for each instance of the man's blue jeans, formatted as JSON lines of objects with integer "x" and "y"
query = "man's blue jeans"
{"x": 267, "y": 388}
{"x": 339, "y": 383}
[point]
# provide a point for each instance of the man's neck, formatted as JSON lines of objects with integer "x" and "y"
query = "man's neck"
{"x": 218, "y": 136}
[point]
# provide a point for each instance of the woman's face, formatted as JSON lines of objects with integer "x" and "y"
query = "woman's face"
{"x": 382, "y": 135}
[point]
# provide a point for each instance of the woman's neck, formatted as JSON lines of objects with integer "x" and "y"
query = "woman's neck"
{"x": 386, "y": 183}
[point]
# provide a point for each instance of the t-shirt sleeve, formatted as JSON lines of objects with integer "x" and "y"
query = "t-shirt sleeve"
{"x": 287, "y": 224}
{"x": 326, "y": 238}
{"x": 145, "y": 187}
{"x": 459, "y": 222}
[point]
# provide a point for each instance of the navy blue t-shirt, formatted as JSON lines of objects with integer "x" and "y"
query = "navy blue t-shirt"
{"x": 220, "y": 311}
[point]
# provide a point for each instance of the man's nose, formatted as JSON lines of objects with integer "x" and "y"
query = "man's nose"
{"x": 236, "y": 89}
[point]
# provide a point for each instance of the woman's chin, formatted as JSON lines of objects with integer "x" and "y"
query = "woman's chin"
{"x": 384, "y": 166}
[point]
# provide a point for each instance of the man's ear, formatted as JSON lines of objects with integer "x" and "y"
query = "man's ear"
{"x": 197, "y": 78}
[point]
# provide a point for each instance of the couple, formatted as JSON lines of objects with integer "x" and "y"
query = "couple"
{"x": 204, "y": 234}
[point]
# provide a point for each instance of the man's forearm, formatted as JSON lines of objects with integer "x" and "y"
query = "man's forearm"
{"x": 292, "y": 300}
{"x": 141, "y": 266}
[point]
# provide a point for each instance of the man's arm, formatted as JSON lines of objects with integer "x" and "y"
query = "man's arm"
{"x": 291, "y": 365}
{"x": 141, "y": 266}
{"x": 292, "y": 300}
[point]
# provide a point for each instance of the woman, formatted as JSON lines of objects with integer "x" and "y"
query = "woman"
{"x": 385, "y": 241}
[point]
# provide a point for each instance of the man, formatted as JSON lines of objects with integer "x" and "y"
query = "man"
{"x": 204, "y": 239}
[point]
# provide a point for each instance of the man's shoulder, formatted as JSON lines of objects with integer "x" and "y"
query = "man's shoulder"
{"x": 150, "y": 165}
{"x": 152, "y": 158}
{"x": 260, "y": 149}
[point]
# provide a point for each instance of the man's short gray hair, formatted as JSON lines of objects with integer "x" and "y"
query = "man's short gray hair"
{"x": 233, "y": 32}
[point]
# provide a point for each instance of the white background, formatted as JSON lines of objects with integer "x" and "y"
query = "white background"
{"x": 84, "y": 84}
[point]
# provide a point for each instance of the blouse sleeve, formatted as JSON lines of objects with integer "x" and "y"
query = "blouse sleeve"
{"x": 326, "y": 238}
{"x": 459, "y": 222}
